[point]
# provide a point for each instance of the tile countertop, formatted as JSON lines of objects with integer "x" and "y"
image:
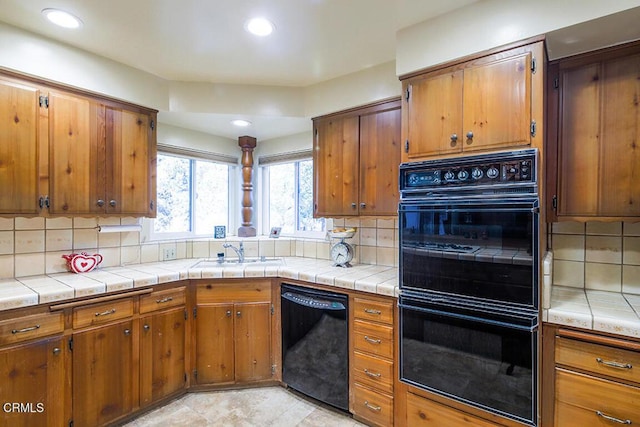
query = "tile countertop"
{"x": 34, "y": 290}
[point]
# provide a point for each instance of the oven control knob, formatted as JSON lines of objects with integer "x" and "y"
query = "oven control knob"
{"x": 462, "y": 175}
{"x": 493, "y": 172}
{"x": 476, "y": 173}
{"x": 449, "y": 176}
{"x": 413, "y": 179}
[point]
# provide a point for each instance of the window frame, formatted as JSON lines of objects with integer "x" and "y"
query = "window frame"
{"x": 194, "y": 156}
{"x": 264, "y": 186}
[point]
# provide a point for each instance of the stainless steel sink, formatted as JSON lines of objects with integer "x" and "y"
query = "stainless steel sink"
{"x": 233, "y": 262}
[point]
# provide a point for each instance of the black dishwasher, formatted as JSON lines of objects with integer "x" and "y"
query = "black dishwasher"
{"x": 315, "y": 343}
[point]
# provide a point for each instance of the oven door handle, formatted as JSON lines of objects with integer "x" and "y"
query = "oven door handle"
{"x": 472, "y": 318}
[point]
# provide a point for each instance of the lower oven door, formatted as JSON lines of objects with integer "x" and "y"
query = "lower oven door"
{"x": 483, "y": 356}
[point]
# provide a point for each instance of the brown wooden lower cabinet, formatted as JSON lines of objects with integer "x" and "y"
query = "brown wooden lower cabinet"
{"x": 425, "y": 412}
{"x": 162, "y": 355}
{"x": 372, "y": 406}
{"x": 33, "y": 383}
{"x": 233, "y": 333}
{"x": 104, "y": 376}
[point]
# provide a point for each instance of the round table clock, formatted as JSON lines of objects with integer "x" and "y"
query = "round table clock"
{"x": 341, "y": 254}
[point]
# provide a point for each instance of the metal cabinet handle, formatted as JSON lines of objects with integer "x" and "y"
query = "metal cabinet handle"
{"x": 163, "y": 300}
{"x": 470, "y": 135}
{"x": 363, "y": 205}
{"x": 239, "y": 314}
{"x": 353, "y": 205}
{"x": 454, "y": 138}
{"x": 29, "y": 329}
{"x": 613, "y": 364}
{"x": 112, "y": 203}
{"x": 56, "y": 351}
{"x": 372, "y": 407}
{"x": 100, "y": 203}
{"x": 372, "y": 374}
{"x": 106, "y": 313}
{"x": 372, "y": 340}
{"x": 614, "y": 419}
{"x": 127, "y": 332}
{"x": 146, "y": 327}
{"x": 228, "y": 313}
{"x": 372, "y": 311}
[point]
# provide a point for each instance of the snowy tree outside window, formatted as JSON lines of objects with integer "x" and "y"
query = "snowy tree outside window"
{"x": 193, "y": 195}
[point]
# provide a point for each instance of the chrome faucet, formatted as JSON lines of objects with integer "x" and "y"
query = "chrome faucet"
{"x": 238, "y": 251}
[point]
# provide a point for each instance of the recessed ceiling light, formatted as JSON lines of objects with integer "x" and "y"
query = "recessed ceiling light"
{"x": 240, "y": 123}
{"x": 259, "y": 27}
{"x": 62, "y": 18}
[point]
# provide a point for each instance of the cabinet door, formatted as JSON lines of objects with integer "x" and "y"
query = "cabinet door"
{"x": 104, "y": 387}
{"x": 379, "y": 160}
{"x": 33, "y": 376}
{"x": 335, "y": 160}
{"x": 497, "y": 102}
{"x": 76, "y": 149}
{"x": 128, "y": 162}
{"x": 599, "y": 163}
{"x": 253, "y": 341}
{"x": 162, "y": 355}
{"x": 18, "y": 148}
{"x": 434, "y": 116}
{"x": 214, "y": 344}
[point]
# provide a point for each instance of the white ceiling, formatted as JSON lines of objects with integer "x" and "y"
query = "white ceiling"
{"x": 204, "y": 41}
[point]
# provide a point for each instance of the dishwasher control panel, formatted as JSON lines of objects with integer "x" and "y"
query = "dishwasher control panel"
{"x": 313, "y": 302}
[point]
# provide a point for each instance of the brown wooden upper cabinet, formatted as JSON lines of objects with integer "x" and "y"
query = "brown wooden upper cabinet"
{"x": 490, "y": 102}
{"x": 66, "y": 152}
{"x": 355, "y": 158}
{"x": 596, "y": 139}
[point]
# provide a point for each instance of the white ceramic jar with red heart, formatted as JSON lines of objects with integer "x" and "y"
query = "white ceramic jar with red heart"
{"x": 82, "y": 262}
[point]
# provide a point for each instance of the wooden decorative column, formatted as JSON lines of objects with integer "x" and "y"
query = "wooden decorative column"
{"x": 247, "y": 143}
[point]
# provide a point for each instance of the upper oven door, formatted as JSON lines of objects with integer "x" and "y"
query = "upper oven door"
{"x": 480, "y": 249}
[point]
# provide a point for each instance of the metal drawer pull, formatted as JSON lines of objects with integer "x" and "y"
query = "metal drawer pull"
{"x": 105, "y": 313}
{"x": 372, "y": 311}
{"x": 29, "y": 329}
{"x": 167, "y": 299}
{"x": 372, "y": 374}
{"x": 372, "y": 340}
{"x": 56, "y": 351}
{"x": 146, "y": 327}
{"x": 614, "y": 419}
{"x": 372, "y": 407}
{"x": 614, "y": 364}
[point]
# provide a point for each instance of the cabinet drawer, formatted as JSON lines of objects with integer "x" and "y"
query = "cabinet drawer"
{"x": 102, "y": 313}
{"x": 162, "y": 299}
{"x": 254, "y": 291}
{"x": 372, "y": 406}
{"x": 591, "y": 400}
{"x": 373, "y": 372}
{"x": 29, "y": 327}
{"x": 425, "y": 412}
{"x": 378, "y": 311}
{"x": 597, "y": 358}
{"x": 372, "y": 338}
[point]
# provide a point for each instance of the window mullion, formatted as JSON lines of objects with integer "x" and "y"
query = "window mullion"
{"x": 192, "y": 197}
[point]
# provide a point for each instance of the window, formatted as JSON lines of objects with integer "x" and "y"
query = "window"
{"x": 193, "y": 196}
{"x": 289, "y": 198}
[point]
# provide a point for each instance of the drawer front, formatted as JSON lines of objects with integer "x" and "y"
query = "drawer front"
{"x": 373, "y": 372}
{"x": 102, "y": 313}
{"x": 254, "y": 291}
{"x": 372, "y": 406}
{"x": 162, "y": 299}
{"x": 425, "y": 412}
{"x": 600, "y": 359}
{"x": 595, "y": 399}
{"x": 30, "y": 327}
{"x": 377, "y": 311}
{"x": 372, "y": 338}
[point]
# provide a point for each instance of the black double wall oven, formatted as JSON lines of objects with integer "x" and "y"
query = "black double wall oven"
{"x": 468, "y": 279}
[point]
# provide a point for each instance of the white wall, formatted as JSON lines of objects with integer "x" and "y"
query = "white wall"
{"x": 492, "y": 23}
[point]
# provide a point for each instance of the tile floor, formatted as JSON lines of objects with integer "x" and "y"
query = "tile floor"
{"x": 265, "y": 406}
